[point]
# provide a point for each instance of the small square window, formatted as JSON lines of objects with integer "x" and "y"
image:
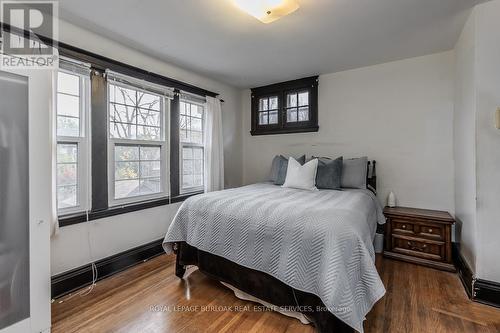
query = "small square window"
{"x": 286, "y": 107}
{"x": 297, "y": 107}
{"x": 268, "y": 110}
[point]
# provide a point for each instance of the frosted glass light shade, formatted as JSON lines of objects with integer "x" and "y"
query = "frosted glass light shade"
{"x": 267, "y": 11}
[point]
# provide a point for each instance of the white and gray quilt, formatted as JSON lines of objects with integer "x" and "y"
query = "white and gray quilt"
{"x": 319, "y": 242}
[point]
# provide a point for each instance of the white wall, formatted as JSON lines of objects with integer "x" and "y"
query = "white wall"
{"x": 488, "y": 138}
{"x": 477, "y": 141}
{"x": 465, "y": 142}
{"x": 398, "y": 113}
{"x": 108, "y": 236}
{"x": 116, "y": 234}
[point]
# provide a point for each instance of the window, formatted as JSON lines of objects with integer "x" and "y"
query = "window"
{"x": 268, "y": 110}
{"x": 123, "y": 142}
{"x": 297, "y": 106}
{"x": 137, "y": 144}
{"x": 287, "y": 107}
{"x": 134, "y": 114}
{"x": 72, "y": 104}
{"x": 192, "y": 150}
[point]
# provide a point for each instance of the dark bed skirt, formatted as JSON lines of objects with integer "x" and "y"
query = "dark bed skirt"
{"x": 260, "y": 285}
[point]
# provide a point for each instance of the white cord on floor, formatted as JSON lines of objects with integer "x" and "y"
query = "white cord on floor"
{"x": 93, "y": 266}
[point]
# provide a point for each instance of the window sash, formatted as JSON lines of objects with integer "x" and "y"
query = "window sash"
{"x": 298, "y": 107}
{"x": 190, "y": 189}
{"x": 190, "y": 117}
{"x": 267, "y": 113}
{"x": 187, "y": 144}
{"x": 82, "y": 143}
{"x": 164, "y": 172}
{"x": 164, "y": 111}
{"x": 164, "y": 100}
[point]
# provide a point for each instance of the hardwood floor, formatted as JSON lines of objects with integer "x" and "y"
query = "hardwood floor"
{"x": 149, "y": 298}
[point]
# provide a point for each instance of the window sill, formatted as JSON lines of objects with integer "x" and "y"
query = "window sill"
{"x": 284, "y": 130}
{"x": 184, "y": 196}
{"x": 67, "y": 220}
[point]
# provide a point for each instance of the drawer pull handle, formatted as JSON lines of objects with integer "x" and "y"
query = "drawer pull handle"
{"x": 404, "y": 226}
{"x": 430, "y": 231}
{"x": 416, "y": 248}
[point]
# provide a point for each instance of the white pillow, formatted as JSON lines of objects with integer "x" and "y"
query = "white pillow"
{"x": 301, "y": 176}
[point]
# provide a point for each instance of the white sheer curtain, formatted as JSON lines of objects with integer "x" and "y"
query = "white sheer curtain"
{"x": 54, "y": 224}
{"x": 214, "y": 148}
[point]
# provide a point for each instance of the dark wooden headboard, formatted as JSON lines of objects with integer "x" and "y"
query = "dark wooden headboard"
{"x": 371, "y": 176}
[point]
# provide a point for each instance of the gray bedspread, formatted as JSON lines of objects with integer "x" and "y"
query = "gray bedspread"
{"x": 315, "y": 241}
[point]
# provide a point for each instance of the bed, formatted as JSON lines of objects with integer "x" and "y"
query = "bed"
{"x": 308, "y": 251}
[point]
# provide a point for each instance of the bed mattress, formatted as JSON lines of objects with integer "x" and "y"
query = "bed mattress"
{"x": 318, "y": 242}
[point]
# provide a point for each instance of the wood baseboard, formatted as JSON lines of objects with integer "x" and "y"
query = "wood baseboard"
{"x": 478, "y": 290}
{"x": 464, "y": 271}
{"x": 67, "y": 282}
{"x": 487, "y": 292}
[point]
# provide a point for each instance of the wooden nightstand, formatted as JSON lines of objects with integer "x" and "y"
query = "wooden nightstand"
{"x": 419, "y": 236}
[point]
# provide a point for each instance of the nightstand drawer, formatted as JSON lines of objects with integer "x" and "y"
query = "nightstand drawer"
{"x": 402, "y": 226}
{"x": 418, "y": 248}
{"x": 430, "y": 231}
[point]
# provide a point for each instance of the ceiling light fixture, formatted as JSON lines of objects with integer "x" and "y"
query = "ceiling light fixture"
{"x": 267, "y": 11}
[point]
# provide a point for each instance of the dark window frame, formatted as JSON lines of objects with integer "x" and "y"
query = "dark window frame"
{"x": 309, "y": 84}
{"x": 268, "y": 97}
{"x": 296, "y": 108}
{"x": 100, "y": 207}
{"x": 99, "y": 140}
{"x": 99, "y": 168}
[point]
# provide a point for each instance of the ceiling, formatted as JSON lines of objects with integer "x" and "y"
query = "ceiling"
{"x": 216, "y": 39}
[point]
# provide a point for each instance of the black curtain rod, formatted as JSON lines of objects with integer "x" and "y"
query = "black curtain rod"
{"x": 102, "y": 63}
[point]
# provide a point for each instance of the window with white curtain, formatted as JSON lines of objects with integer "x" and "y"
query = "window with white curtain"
{"x": 192, "y": 155}
{"x": 268, "y": 110}
{"x": 137, "y": 144}
{"x": 72, "y": 109}
{"x": 297, "y": 106}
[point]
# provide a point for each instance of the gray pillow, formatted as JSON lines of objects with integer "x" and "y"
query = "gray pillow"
{"x": 329, "y": 174}
{"x": 283, "y": 166}
{"x": 354, "y": 173}
{"x": 275, "y": 167}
